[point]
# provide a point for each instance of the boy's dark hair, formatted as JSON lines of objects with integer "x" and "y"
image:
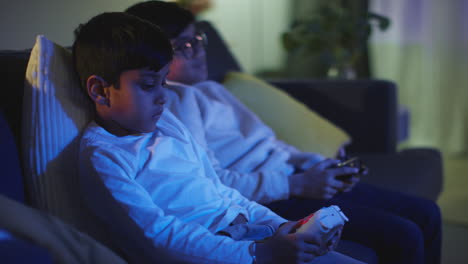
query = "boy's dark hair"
{"x": 111, "y": 43}
{"x": 170, "y": 17}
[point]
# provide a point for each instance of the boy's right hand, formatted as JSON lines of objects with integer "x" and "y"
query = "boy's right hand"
{"x": 287, "y": 247}
{"x": 319, "y": 182}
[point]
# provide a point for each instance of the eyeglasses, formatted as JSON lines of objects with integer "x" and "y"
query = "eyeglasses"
{"x": 189, "y": 48}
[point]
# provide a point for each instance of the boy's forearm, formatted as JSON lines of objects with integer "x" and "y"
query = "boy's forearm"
{"x": 261, "y": 187}
{"x": 258, "y": 214}
{"x": 157, "y": 230}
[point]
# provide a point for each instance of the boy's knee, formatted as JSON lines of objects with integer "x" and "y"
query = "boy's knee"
{"x": 433, "y": 210}
{"x": 335, "y": 257}
{"x": 430, "y": 211}
{"x": 410, "y": 240}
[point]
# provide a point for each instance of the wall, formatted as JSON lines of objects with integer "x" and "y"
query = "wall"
{"x": 252, "y": 29}
{"x": 22, "y": 20}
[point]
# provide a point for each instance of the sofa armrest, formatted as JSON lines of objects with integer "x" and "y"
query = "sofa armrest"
{"x": 14, "y": 250}
{"x": 366, "y": 109}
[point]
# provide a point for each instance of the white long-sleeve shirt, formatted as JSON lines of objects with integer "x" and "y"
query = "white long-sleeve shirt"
{"x": 165, "y": 182}
{"x": 243, "y": 150}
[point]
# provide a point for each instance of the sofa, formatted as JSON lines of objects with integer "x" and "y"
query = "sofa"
{"x": 366, "y": 109}
{"x": 368, "y": 115}
{"x": 12, "y": 248}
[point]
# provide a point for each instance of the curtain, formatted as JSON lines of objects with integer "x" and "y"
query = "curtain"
{"x": 425, "y": 53}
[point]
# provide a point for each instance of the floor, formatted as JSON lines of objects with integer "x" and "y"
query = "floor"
{"x": 455, "y": 244}
{"x": 454, "y": 205}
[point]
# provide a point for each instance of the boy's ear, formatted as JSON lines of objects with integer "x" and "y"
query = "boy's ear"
{"x": 97, "y": 89}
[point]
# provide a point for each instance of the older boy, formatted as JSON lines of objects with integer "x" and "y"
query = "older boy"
{"x": 151, "y": 168}
{"x": 248, "y": 157}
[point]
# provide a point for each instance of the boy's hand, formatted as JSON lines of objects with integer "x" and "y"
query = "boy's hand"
{"x": 319, "y": 182}
{"x": 304, "y": 160}
{"x": 333, "y": 241}
{"x": 288, "y": 228}
{"x": 287, "y": 247}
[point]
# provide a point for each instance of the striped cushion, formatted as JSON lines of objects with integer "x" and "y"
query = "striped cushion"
{"x": 54, "y": 112}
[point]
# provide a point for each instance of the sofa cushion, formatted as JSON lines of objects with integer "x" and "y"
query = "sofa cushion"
{"x": 54, "y": 112}
{"x": 416, "y": 171}
{"x": 14, "y": 250}
{"x": 291, "y": 120}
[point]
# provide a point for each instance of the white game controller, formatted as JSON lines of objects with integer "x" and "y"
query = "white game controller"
{"x": 323, "y": 222}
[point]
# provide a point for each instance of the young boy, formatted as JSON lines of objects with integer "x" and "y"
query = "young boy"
{"x": 249, "y": 158}
{"x": 139, "y": 162}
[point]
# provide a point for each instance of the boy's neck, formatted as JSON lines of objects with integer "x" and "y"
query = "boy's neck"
{"x": 111, "y": 126}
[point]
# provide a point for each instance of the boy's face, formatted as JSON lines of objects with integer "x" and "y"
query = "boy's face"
{"x": 138, "y": 103}
{"x": 189, "y": 63}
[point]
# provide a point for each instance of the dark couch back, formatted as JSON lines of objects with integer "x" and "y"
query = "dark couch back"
{"x": 12, "y": 71}
{"x": 328, "y": 98}
{"x": 219, "y": 58}
{"x": 12, "y": 181}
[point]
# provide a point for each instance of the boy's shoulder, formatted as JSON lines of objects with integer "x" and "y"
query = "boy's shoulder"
{"x": 97, "y": 146}
{"x": 96, "y": 137}
{"x": 214, "y": 90}
{"x": 205, "y": 87}
{"x": 178, "y": 91}
{"x": 209, "y": 86}
{"x": 168, "y": 125}
{"x": 94, "y": 132}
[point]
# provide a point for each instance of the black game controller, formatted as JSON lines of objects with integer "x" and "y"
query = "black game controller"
{"x": 352, "y": 163}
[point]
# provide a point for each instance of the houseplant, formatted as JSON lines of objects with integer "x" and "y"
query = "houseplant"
{"x": 329, "y": 41}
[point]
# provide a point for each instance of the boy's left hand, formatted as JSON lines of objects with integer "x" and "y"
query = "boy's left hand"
{"x": 333, "y": 242}
{"x": 305, "y": 160}
{"x": 288, "y": 227}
